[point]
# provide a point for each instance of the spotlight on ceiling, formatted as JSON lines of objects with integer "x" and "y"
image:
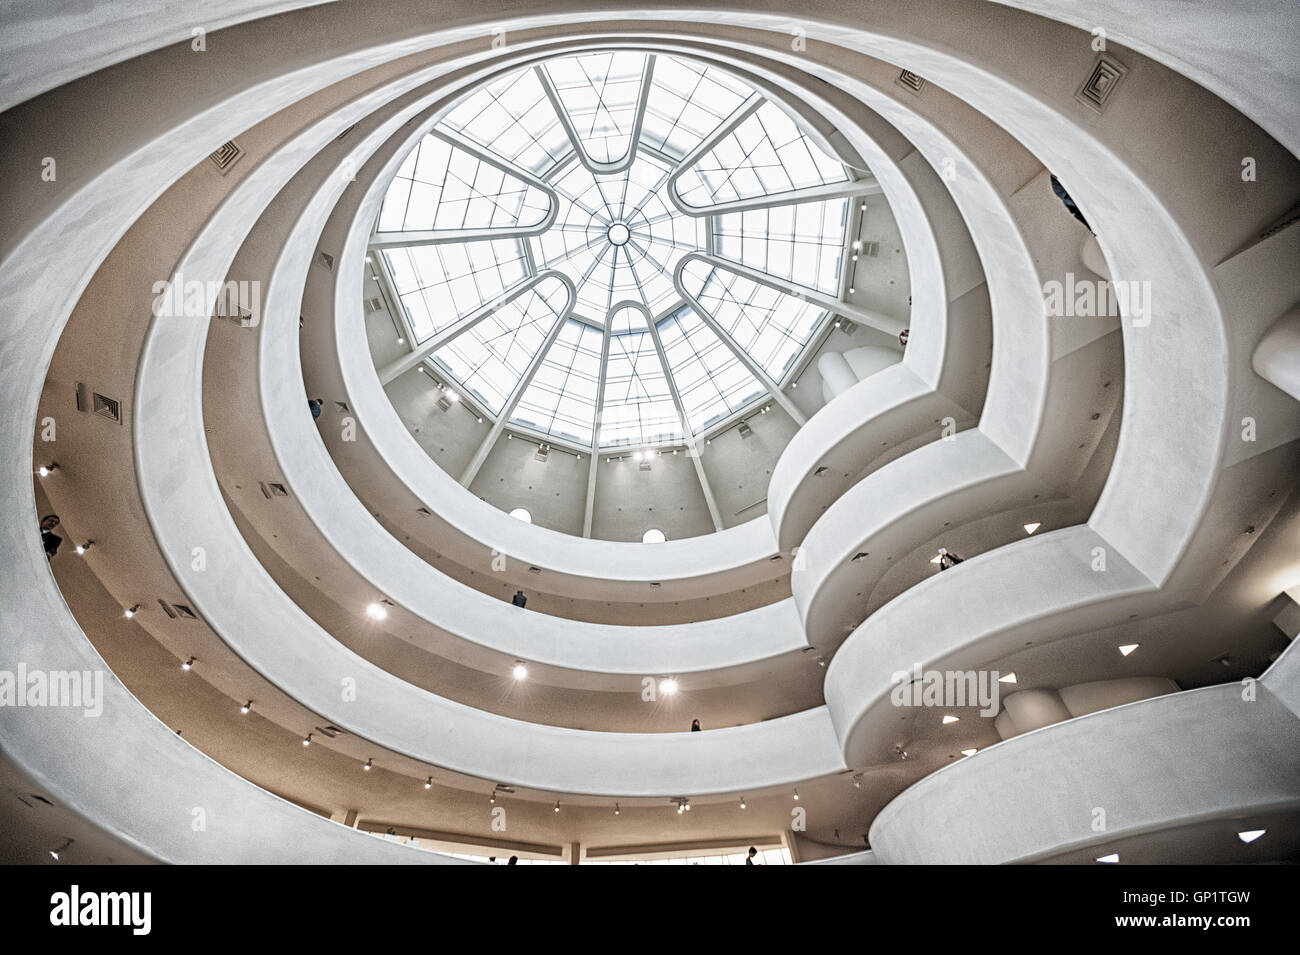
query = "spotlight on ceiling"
{"x": 306, "y": 740}
{"x": 369, "y": 764}
{"x": 55, "y": 853}
{"x": 82, "y": 548}
{"x": 45, "y": 470}
{"x": 246, "y": 707}
{"x": 1033, "y": 526}
{"x": 969, "y": 752}
{"x": 1113, "y": 857}
{"x": 519, "y": 672}
{"x": 1008, "y": 678}
{"x": 1128, "y": 648}
{"x": 742, "y": 803}
{"x": 557, "y": 805}
{"x": 188, "y": 665}
{"x": 130, "y": 612}
{"x": 376, "y": 611}
{"x": 428, "y": 783}
{"x": 668, "y": 687}
{"x": 796, "y": 795}
{"x": 616, "y": 809}
{"x": 951, "y": 719}
{"x": 1250, "y": 835}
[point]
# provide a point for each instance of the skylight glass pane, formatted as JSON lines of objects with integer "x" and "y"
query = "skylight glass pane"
{"x": 771, "y": 326}
{"x": 687, "y": 101}
{"x": 766, "y": 155}
{"x": 638, "y": 408}
{"x": 599, "y": 91}
{"x": 711, "y": 381}
{"x": 441, "y": 187}
{"x": 438, "y": 284}
{"x": 513, "y": 118}
{"x": 803, "y": 243}
{"x": 561, "y": 398}
{"x": 490, "y": 359}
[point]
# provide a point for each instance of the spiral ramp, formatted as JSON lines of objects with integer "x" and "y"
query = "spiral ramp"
{"x": 345, "y": 581}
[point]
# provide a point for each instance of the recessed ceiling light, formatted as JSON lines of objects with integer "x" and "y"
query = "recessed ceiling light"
{"x": 376, "y": 611}
{"x": 1113, "y": 857}
{"x": 1250, "y": 835}
{"x": 1009, "y": 678}
{"x": 969, "y": 752}
{"x": 936, "y": 558}
{"x": 951, "y": 719}
{"x": 519, "y": 672}
{"x": 668, "y": 687}
{"x": 1030, "y": 528}
{"x": 1128, "y": 648}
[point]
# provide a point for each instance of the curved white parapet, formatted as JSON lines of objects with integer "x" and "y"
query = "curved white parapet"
{"x": 1191, "y": 757}
{"x": 267, "y": 257}
{"x": 1277, "y": 356}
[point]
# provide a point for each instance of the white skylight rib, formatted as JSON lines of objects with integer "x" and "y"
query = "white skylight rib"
{"x": 561, "y": 399}
{"x": 599, "y": 93}
{"x": 771, "y": 326}
{"x": 437, "y": 284}
{"x": 490, "y": 359}
{"x": 803, "y": 243}
{"x": 687, "y": 101}
{"x": 605, "y": 273}
{"x": 442, "y": 187}
{"x": 515, "y": 120}
{"x": 638, "y": 407}
{"x": 765, "y": 155}
{"x": 710, "y": 379}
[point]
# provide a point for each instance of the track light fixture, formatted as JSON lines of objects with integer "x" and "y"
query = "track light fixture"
{"x": 246, "y": 707}
{"x": 188, "y": 665}
{"x": 55, "y": 853}
{"x": 45, "y": 470}
{"x": 369, "y": 763}
{"x": 82, "y": 548}
{"x": 557, "y": 805}
{"x": 428, "y": 783}
{"x": 306, "y": 740}
{"x": 131, "y": 611}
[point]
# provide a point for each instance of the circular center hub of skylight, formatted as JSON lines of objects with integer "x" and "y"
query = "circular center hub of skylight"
{"x": 618, "y": 234}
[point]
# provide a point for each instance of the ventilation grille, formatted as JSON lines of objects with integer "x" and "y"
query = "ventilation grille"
{"x": 325, "y": 259}
{"x": 820, "y": 471}
{"x": 333, "y": 732}
{"x": 644, "y": 465}
{"x": 444, "y": 403}
{"x": 226, "y": 156}
{"x": 871, "y": 248}
{"x": 273, "y": 490}
{"x": 911, "y": 81}
{"x": 745, "y": 430}
{"x": 108, "y": 408}
{"x": 1101, "y": 83}
{"x": 374, "y": 304}
{"x": 177, "y": 611}
{"x": 543, "y": 453}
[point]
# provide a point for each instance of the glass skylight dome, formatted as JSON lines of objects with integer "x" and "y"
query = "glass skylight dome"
{"x": 617, "y": 248}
